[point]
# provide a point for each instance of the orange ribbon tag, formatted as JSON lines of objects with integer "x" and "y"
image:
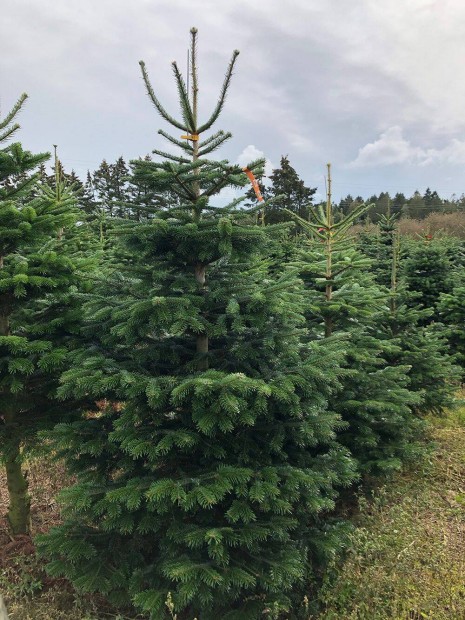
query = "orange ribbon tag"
{"x": 254, "y": 182}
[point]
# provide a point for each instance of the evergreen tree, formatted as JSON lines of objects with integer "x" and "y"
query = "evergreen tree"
{"x": 144, "y": 199}
{"x": 349, "y": 204}
{"x": 33, "y": 274}
{"x": 451, "y": 308}
{"x": 382, "y": 207}
{"x": 428, "y": 274}
{"x": 374, "y": 400}
{"x": 204, "y": 472}
{"x": 110, "y": 187}
{"x": 432, "y": 201}
{"x": 433, "y": 375}
{"x": 288, "y": 191}
{"x": 398, "y": 203}
{"x": 415, "y": 207}
{"x": 82, "y": 192}
{"x": 379, "y": 247}
{"x": 345, "y": 203}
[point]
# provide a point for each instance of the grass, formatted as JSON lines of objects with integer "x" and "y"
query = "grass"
{"x": 405, "y": 560}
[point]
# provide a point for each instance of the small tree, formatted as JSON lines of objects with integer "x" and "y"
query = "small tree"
{"x": 379, "y": 248}
{"x": 344, "y": 301}
{"x": 433, "y": 375}
{"x": 451, "y": 309}
{"x": 427, "y": 273}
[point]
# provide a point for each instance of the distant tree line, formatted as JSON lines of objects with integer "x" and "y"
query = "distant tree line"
{"x": 418, "y": 206}
{"x": 110, "y": 191}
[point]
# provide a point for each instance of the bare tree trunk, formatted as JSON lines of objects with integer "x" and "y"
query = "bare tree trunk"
{"x": 19, "y": 509}
{"x": 19, "y": 501}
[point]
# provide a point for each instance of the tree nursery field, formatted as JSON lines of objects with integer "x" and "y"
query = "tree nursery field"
{"x": 238, "y": 411}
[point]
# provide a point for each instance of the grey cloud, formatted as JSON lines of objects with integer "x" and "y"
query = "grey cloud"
{"x": 317, "y": 81}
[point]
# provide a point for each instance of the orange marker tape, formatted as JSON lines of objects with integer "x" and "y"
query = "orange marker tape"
{"x": 254, "y": 182}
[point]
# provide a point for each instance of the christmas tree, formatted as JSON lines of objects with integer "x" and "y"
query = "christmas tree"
{"x": 451, "y": 310}
{"x": 380, "y": 248}
{"x": 427, "y": 273}
{"x": 212, "y": 450}
{"x": 416, "y": 341}
{"x": 343, "y": 300}
{"x": 35, "y": 274}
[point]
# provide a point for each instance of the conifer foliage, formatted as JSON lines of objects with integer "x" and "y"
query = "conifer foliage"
{"x": 427, "y": 272}
{"x": 414, "y": 339}
{"x": 213, "y": 450}
{"x": 344, "y": 301}
{"x": 33, "y": 274}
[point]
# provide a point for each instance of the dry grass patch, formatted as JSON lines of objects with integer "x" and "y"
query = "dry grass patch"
{"x": 407, "y": 555}
{"x": 29, "y": 593}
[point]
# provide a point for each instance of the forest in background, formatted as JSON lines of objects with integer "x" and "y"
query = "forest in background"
{"x": 110, "y": 189}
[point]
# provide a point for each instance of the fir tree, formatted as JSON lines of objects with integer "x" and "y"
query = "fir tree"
{"x": 145, "y": 201}
{"x": 110, "y": 186}
{"x": 432, "y": 201}
{"x": 379, "y": 248}
{"x": 415, "y": 207}
{"x": 374, "y": 400}
{"x": 433, "y": 375}
{"x": 427, "y": 272}
{"x": 451, "y": 310}
{"x": 215, "y": 452}
{"x": 290, "y": 194}
{"x": 382, "y": 207}
{"x": 398, "y": 203}
{"x": 33, "y": 274}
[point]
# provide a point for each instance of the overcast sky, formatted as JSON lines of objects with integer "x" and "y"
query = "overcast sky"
{"x": 375, "y": 88}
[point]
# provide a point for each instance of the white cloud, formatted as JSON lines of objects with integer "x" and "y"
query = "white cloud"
{"x": 390, "y": 148}
{"x": 453, "y": 153}
{"x": 251, "y": 153}
{"x": 393, "y": 148}
{"x": 311, "y": 78}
